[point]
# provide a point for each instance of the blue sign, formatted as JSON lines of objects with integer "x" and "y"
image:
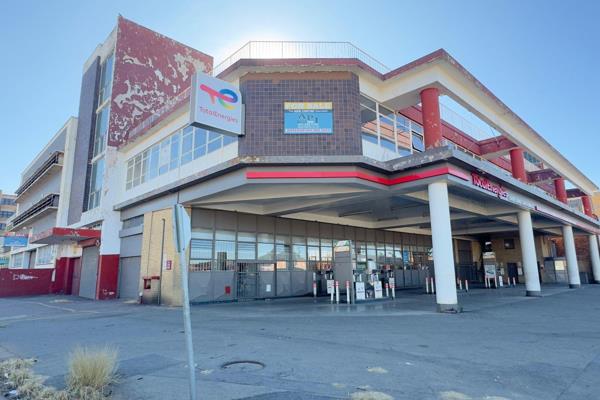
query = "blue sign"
{"x": 308, "y": 118}
{"x": 15, "y": 241}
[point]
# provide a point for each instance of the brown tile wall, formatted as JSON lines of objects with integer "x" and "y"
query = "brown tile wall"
{"x": 264, "y": 95}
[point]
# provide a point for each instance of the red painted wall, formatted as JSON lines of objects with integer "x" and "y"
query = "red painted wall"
{"x": 108, "y": 277}
{"x": 150, "y": 70}
{"x": 33, "y": 282}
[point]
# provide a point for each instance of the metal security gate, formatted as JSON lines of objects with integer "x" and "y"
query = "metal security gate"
{"x": 247, "y": 280}
{"x": 89, "y": 272}
{"x": 129, "y": 277}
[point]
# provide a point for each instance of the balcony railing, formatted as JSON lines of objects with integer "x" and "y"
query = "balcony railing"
{"x": 55, "y": 160}
{"x": 47, "y": 204}
{"x": 298, "y": 49}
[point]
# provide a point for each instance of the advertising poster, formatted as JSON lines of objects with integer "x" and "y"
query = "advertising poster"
{"x": 308, "y": 118}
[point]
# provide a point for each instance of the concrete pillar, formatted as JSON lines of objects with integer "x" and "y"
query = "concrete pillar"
{"x": 443, "y": 254}
{"x": 517, "y": 162}
{"x": 595, "y": 256}
{"x": 572, "y": 267}
{"x": 532, "y": 277}
{"x": 432, "y": 124}
{"x": 561, "y": 191}
{"x": 587, "y": 205}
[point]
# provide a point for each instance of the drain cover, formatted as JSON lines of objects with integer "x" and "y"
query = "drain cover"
{"x": 243, "y": 365}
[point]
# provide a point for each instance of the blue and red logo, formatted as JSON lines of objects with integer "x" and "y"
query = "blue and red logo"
{"x": 227, "y": 98}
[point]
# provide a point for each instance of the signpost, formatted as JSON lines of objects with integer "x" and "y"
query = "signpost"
{"x": 182, "y": 234}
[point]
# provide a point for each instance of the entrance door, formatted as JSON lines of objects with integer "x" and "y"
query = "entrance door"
{"x": 89, "y": 272}
{"x": 247, "y": 280}
{"x": 513, "y": 271}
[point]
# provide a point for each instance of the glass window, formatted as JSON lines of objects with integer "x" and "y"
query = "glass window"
{"x": 246, "y": 251}
{"x": 224, "y": 250}
{"x": 369, "y": 137}
{"x": 367, "y": 102}
{"x": 368, "y": 119}
{"x": 388, "y": 144}
{"x": 313, "y": 253}
{"x": 106, "y": 79}
{"x": 174, "y": 156}
{"x": 153, "y": 163}
{"x": 100, "y": 131}
{"x": 95, "y": 184}
{"x": 187, "y": 145}
{"x": 163, "y": 157}
{"x": 199, "y": 142}
{"x": 200, "y": 249}
{"x": 266, "y": 251}
{"x": 214, "y": 141}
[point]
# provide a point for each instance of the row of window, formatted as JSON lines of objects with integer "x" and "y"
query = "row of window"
{"x": 6, "y": 214}
{"x": 178, "y": 149}
{"x": 100, "y": 134}
{"x": 290, "y": 252}
{"x": 388, "y": 129}
{"x": 5, "y": 201}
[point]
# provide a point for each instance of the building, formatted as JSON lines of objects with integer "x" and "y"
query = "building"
{"x": 7, "y": 210}
{"x": 42, "y": 201}
{"x": 335, "y": 149}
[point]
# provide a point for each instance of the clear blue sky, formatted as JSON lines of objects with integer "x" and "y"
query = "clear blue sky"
{"x": 542, "y": 58}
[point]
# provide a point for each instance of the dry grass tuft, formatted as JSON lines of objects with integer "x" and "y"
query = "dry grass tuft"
{"x": 91, "y": 370}
{"x": 17, "y": 378}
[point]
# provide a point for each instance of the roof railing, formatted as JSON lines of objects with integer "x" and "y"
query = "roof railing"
{"x": 298, "y": 49}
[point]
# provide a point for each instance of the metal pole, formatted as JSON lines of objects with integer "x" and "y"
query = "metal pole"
{"x": 182, "y": 242}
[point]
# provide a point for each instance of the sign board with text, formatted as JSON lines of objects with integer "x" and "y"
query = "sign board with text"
{"x": 308, "y": 117}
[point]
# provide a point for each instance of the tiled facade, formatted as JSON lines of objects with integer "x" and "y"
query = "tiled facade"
{"x": 264, "y": 95}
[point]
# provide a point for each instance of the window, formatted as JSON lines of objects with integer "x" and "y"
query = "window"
{"x": 2, "y": 226}
{"x": 393, "y": 133}
{"x": 179, "y": 149}
{"x": 100, "y": 133}
{"x": 7, "y": 202}
{"x": 6, "y": 214}
{"x": 106, "y": 79}
{"x": 246, "y": 246}
{"x": 44, "y": 255}
{"x": 95, "y": 184}
{"x": 17, "y": 260}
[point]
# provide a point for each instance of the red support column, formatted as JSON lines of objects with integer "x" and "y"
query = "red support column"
{"x": 587, "y": 205}
{"x": 432, "y": 124}
{"x": 561, "y": 191}
{"x": 518, "y": 164}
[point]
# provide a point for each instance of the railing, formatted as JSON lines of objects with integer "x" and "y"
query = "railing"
{"x": 54, "y": 159}
{"x": 48, "y": 202}
{"x": 463, "y": 124}
{"x": 299, "y": 49}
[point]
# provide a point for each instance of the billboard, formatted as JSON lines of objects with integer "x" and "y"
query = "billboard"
{"x": 15, "y": 241}
{"x": 308, "y": 117}
{"x": 216, "y": 105}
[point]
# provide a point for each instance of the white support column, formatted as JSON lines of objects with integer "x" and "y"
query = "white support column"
{"x": 443, "y": 255}
{"x": 532, "y": 278}
{"x": 595, "y": 255}
{"x": 572, "y": 266}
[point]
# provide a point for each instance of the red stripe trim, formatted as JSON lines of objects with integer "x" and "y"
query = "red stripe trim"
{"x": 355, "y": 174}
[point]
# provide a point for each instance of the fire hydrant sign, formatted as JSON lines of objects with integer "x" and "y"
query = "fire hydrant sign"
{"x": 330, "y": 286}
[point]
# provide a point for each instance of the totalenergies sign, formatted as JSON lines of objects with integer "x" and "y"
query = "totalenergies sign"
{"x": 216, "y": 105}
{"x": 485, "y": 184}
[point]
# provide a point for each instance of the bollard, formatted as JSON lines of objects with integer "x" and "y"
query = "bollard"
{"x": 487, "y": 282}
{"x": 314, "y": 289}
{"x": 514, "y": 281}
{"x": 393, "y": 290}
{"x": 459, "y": 284}
{"x": 466, "y": 285}
{"x": 387, "y": 289}
{"x": 337, "y": 292}
{"x": 501, "y": 281}
{"x": 331, "y": 293}
{"x": 427, "y": 284}
{"x": 432, "y": 285}
{"x": 347, "y": 292}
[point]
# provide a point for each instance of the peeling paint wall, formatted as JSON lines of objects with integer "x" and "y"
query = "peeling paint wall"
{"x": 150, "y": 71}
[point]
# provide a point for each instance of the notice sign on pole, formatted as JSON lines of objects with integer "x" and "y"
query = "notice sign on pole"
{"x": 216, "y": 105}
{"x": 308, "y": 117}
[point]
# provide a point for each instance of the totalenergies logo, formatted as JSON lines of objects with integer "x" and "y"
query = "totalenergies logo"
{"x": 227, "y": 98}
